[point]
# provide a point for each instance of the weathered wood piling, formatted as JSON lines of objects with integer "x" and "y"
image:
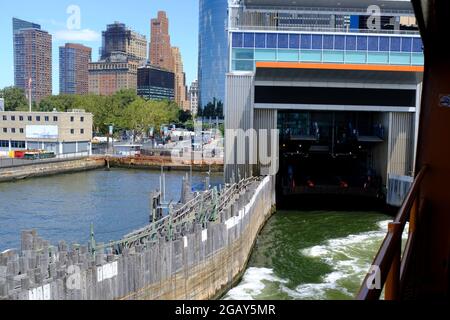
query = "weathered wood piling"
{"x": 197, "y": 252}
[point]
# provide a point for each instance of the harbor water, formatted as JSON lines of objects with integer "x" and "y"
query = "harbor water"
{"x": 299, "y": 255}
{"x": 63, "y": 207}
{"x": 312, "y": 256}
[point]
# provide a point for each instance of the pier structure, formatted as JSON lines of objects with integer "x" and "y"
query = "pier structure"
{"x": 197, "y": 250}
{"x": 341, "y": 83}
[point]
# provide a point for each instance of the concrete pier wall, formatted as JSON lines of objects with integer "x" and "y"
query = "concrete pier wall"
{"x": 49, "y": 168}
{"x": 202, "y": 263}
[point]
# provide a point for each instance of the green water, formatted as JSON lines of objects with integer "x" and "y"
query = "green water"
{"x": 312, "y": 256}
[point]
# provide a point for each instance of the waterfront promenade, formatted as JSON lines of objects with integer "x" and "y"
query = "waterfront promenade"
{"x": 19, "y": 169}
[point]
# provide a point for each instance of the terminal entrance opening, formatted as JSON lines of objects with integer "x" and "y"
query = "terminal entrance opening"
{"x": 324, "y": 153}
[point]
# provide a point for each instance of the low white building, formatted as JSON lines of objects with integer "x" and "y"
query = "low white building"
{"x": 63, "y": 133}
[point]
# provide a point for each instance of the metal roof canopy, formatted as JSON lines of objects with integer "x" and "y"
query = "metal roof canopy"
{"x": 344, "y": 4}
{"x": 270, "y": 76}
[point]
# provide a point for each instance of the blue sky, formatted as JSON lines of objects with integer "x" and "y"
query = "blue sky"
{"x": 95, "y": 15}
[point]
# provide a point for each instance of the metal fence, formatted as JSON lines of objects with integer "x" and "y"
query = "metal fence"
{"x": 15, "y": 162}
{"x": 204, "y": 208}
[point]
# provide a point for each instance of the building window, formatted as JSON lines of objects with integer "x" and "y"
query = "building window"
{"x": 55, "y": 119}
{"x": 21, "y": 130}
{"x": 47, "y": 119}
{"x": 72, "y": 119}
{"x": 82, "y": 131}
{"x": 18, "y": 144}
{"x": 13, "y": 130}
{"x": 5, "y": 130}
{"x": 82, "y": 119}
{"x": 4, "y": 144}
{"x": 72, "y": 131}
{"x": 13, "y": 118}
{"x": 5, "y": 118}
{"x": 21, "y": 118}
{"x": 30, "y": 118}
{"x": 38, "y": 118}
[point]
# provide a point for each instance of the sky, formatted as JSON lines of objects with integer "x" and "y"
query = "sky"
{"x": 56, "y": 17}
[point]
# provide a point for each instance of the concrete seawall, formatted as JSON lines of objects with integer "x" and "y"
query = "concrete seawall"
{"x": 202, "y": 263}
{"x": 155, "y": 163}
{"x": 49, "y": 168}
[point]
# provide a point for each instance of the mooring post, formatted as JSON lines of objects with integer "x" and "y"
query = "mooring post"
{"x": 92, "y": 240}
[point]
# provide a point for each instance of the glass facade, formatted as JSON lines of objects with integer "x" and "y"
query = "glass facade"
{"x": 67, "y": 83}
{"x": 248, "y": 48}
{"x": 155, "y": 84}
{"x": 213, "y": 50}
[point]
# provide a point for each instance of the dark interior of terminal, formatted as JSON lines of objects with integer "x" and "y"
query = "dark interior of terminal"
{"x": 329, "y": 153}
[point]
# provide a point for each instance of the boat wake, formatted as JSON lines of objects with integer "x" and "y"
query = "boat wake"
{"x": 349, "y": 257}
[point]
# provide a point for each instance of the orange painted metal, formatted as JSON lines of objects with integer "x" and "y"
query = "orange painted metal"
{"x": 388, "y": 259}
{"x": 337, "y": 66}
{"x": 392, "y": 291}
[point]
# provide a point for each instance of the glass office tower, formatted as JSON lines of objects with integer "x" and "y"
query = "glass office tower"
{"x": 213, "y": 50}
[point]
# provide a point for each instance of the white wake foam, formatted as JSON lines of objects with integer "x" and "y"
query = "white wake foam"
{"x": 252, "y": 284}
{"x": 350, "y": 258}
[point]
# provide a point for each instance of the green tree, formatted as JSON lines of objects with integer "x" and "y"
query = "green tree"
{"x": 61, "y": 103}
{"x": 15, "y": 99}
{"x": 98, "y": 106}
{"x": 184, "y": 116}
{"x": 200, "y": 112}
{"x": 140, "y": 115}
{"x": 123, "y": 98}
{"x": 163, "y": 113}
{"x": 212, "y": 110}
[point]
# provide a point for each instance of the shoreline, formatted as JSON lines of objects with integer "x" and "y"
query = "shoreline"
{"x": 45, "y": 169}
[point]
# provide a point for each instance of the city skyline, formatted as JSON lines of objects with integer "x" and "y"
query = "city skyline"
{"x": 54, "y": 17}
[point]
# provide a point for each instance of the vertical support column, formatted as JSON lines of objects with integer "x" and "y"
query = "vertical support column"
{"x": 61, "y": 148}
{"x": 417, "y": 123}
{"x": 239, "y": 104}
{"x": 266, "y": 123}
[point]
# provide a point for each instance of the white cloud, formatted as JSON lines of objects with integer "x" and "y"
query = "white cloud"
{"x": 77, "y": 35}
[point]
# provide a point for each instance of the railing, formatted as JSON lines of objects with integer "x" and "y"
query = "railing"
{"x": 206, "y": 207}
{"x": 240, "y": 27}
{"x": 317, "y": 10}
{"x": 390, "y": 267}
{"x": 16, "y": 162}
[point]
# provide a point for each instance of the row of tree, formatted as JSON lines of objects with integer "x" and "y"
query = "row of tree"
{"x": 125, "y": 110}
{"x": 213, "y": 109}
{"x": 15, "y": 99}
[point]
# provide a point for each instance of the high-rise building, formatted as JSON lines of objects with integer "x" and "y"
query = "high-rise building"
{"x": 213, "y": 50}
{"x": 160, "y": 47}
{"x": 180, "y": 80}
{"x": 74, "y": 60}
{"x": 32, "y": 59}
{"x": 118, "y": 38}
{"x": 155, "y": 83}
{"x": 112, "y": 74}
{"x": 22, "y": 24}
{"x": 122, "y": 53}
{"x": 193, "y": 96}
